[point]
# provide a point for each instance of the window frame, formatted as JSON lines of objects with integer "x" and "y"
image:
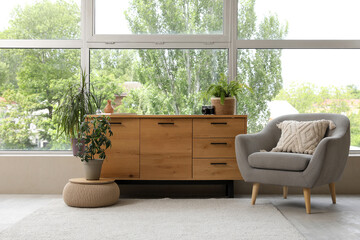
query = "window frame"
{"x": 158, "y": 39}
{"x": 228, "y": 40}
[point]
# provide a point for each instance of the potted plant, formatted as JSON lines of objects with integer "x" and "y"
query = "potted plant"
{"x": 97, "y": 101}
{"x": 72, "y": 108}
{"x": 225, "y": 95}
{"x": 94, "y": 138}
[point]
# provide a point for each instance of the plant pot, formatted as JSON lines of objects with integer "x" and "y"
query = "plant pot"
{"x": 93, "y": 169}
{"x": 75, "y": 147}
{"x": 229, "y": 107}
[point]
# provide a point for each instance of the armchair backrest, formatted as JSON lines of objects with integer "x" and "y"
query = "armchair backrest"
{"x": 342, "y": 123}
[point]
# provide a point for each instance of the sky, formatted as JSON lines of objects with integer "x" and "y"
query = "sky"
{"x": 307, "y": 19}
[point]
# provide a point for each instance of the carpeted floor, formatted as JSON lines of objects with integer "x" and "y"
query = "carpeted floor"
{"x": 156, "y": 219}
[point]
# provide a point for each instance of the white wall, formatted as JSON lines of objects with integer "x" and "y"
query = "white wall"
{"x": 37, "y": 174}
{"x": 49, "y": 174}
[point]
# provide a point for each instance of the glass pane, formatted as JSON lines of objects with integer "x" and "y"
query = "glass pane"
{"x": 301, "y": 81}
{"x": 42, "y": 19}
{"x": 156, "y": 81}
{"x": 31, "y": 83}
{"x": 298, "y": 19}
{"x": 158, "y": 17}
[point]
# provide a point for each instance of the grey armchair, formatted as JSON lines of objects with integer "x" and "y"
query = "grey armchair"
{"x": 325, "y": 166}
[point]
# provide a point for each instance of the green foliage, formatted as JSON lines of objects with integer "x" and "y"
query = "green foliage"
{"x": 32, "y": 80}
{"x": 309, "y": 98}
{"x": 94, "y": 138}
{"x": 175, "y": 17}
{"x": 173, "y": 80}
{"x": 223, "y": 89}
{"x": 73, "y": 107}
{"x": 260, "y": 68}
{"x": 176, "y": 79}
{"x": 45, "y": 20}
{"x": 97, "y": 98}
{"x": 175, "y": 76}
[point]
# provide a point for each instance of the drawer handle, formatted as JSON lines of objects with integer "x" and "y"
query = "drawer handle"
{"x": 119, "y": 123}
{"x": 219, "y": 143}
{"x": 219, "y": 123}
{"x": 218, "y": 163}
{"x": 166, "y": 123}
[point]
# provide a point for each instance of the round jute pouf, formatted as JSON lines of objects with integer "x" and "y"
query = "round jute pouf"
{"x": 79, "y": 192}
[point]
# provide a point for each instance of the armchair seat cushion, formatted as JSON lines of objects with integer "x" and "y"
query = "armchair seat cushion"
{"x": 279, "y": 161}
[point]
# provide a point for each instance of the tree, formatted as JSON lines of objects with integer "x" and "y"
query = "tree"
{"x": 179, "y": 77}
{"x": 309, "y": 98}
{"x": 259, "y": 68}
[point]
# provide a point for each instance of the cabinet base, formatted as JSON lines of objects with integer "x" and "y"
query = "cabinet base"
{"x": 229, "y": 192}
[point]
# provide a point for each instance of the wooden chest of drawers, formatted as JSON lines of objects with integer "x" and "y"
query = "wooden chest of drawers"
{"x": 174, "y": 147}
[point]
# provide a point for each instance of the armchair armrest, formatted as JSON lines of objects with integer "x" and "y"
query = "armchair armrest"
{"x": 246, "y": 144}
{"x": 329, "y": 159}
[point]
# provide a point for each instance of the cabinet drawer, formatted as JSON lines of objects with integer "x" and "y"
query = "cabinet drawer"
{"x": 206, "y": 128}
{"x": 216, "y": 169}
{"x": 122, "y": 159}
{"x": 214, "y": 148}
{"x": 165, "y": 149}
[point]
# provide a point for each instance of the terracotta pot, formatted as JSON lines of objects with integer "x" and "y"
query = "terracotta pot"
{"x": 229, "y": 107}
{"x": 108, "y": 108}
{"x": 93, "y": 169}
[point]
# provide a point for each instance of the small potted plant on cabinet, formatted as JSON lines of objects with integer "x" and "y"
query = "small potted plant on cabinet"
{"x": 94, "y": 139}
{"x": 225, "y": 95}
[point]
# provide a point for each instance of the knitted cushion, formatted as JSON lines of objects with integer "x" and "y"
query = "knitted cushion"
{"x": 301, "y": 137}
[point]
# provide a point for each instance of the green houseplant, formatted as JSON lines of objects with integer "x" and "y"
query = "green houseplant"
{"x": 225, "y": 95}
{"x": 73, "y": 106}
{"x": 94, "y": 139}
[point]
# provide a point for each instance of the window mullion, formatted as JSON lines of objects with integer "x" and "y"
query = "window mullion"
{"x": 233, "y": 37}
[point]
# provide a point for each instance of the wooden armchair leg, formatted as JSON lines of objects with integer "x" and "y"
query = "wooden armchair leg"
{"x": 332, "y": 192}
{"x": 285, "y": 192}
{"x": 307, "y": 193}
{"x": 255, "y": 192}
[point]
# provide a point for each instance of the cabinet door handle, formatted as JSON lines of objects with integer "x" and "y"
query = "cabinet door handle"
{"x": 218, "y": 163}
{"x": 219, "y": 143}
{"x": 166, "y": 123}
{"x": 219, "y": 123}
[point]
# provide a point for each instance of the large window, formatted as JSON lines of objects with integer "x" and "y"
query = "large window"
{"x": 32, "y": 81}
{"x": 301, "y": 81}
{"x": 159, "y": 57}
{"x": 34, "y": 70}
{"x": 157, "y": 81}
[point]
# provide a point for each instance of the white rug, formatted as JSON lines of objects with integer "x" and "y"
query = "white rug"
{"x": 159, "y": 219}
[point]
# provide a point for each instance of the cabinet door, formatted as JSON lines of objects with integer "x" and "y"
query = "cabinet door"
{"x": 166, "y": 149}
{"x": 122, "y": 160}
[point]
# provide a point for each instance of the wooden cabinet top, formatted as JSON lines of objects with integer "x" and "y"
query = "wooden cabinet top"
{"x": 119, "y": 116}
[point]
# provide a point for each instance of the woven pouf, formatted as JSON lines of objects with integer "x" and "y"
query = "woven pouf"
{"x": 79, "y": 192}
